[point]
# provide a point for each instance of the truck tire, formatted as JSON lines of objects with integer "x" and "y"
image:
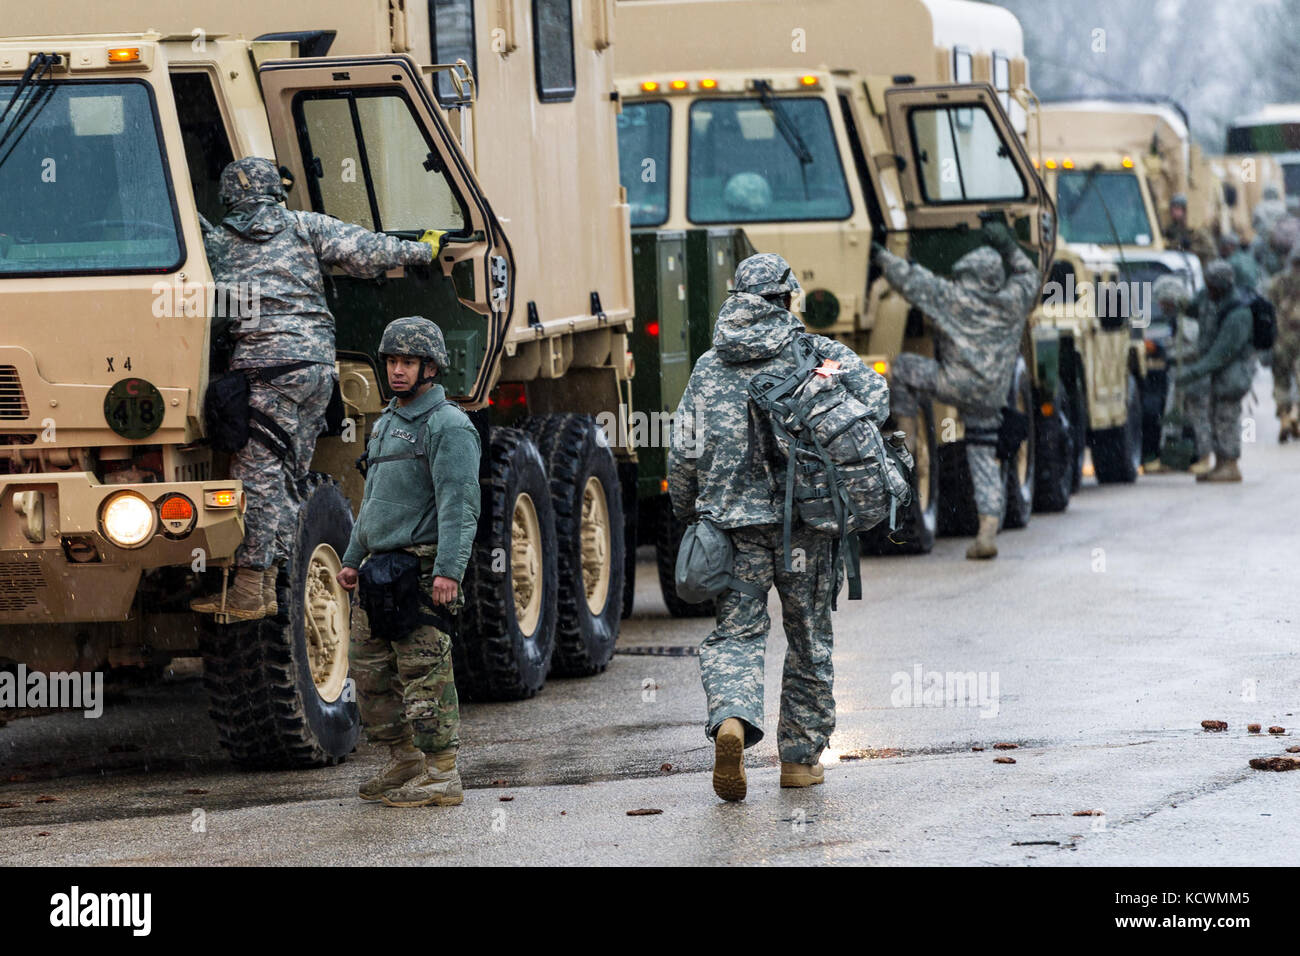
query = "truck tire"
{"x": 1021, "y": 470}
{"x": 627, "y": 476}
{"x": 1054, "y": 477}
{"x": 956, "y": 492}
{"x": 919, "y": 522}
{"x": 588, "y": 499}
{"x": 1077, "y": 398}
{"x": 1117, "y": 452}
{"x": 277, "y": 685}
{"x": 506, "y": 638}
{"x": 668, "y": 538}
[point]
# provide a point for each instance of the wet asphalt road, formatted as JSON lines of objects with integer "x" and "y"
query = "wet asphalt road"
{"x": 1111, "y": 631}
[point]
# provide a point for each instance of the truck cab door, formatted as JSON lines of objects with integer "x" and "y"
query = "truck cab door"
{"x": 960, "y": 161}
{"x": 367, "y": 144}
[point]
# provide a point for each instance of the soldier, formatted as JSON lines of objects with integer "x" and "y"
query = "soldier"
{"x": 1271, "y": 209}
{"x": 287, "y": 351}
{"x": 1284, "y": 292}
{"x": 1227, "y": 362}
{"x": 1181, "y": 236}
{"x": 1245, "y": 270}
{"x": 979, "y": 316}
{"x": 417, "y": 521}
{"x": 1272, "y": 245}
{"x": 718, "y": 469}
{"x": 1188, "y": 405}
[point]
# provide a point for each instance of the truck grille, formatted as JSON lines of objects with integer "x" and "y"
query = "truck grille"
{"x": 19, "y": 583}
{"x": 13, "y": 404}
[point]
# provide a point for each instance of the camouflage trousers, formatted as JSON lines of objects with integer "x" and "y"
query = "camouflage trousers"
{"x": 1224, "y": 415}
{"x": 1196, "y": 404}
{"x": 1286, "y": 366}
{"x": 405, "y": 688}
{"x": 916, "y": 378}
{"x": 296, "y": 401}
{"x": 732, "y": 657}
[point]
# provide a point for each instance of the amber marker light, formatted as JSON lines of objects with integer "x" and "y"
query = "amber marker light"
{"x": 708, "y": 84}
{"x": 1067, "y": 163}
{"x": 1127, "y": 162}
{"x": 679, "y": 85}
{"x": 124, "y": 54}
{"x": 221, "y": 499}
{"x": 650, "y": 86}
{"x": 881, "y": 368}
{"x": 663, "y": 485}
{"x": 1047, "y": 408}
{"x": 1050, "y": 164}
{"x": 808, "y": 80}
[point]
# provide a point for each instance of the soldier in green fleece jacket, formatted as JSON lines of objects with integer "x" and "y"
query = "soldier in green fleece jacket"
{"x": 418, "y": 518}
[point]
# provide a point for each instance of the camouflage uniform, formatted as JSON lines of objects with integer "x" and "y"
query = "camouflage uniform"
{"x": 1272, "y": 246}
{"x": 1180, "y": 236}
{"x": 1284, "y": 292}
{"x": 1226, "y": 360}
{"x": 720, "y": 467}
{"x": 1190, "y": 402}
{"x": 281, "y": 252}
{"x": 979, "y": 317}
{"x": 429, "y": 506}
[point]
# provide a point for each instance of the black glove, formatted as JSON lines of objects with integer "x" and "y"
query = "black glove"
{"x": 998, "y": 235}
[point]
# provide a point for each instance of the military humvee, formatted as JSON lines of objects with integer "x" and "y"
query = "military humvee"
{"x": 115, "y": 509}
{"x": 820, "y": 126}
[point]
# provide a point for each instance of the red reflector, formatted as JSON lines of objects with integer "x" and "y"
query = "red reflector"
{"x": 511, "y": 396}
{"x": 176, "y": 508}
{"x": 652, "y": 328}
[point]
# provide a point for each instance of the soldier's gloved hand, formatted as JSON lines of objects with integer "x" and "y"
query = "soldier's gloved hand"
{"x": 348, "y": 578}
{"x": 433, "y": 239}
{"x": 998, "y": 235}
{"x": 444, "y": 590}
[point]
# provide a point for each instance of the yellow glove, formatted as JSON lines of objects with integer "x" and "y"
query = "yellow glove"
{"x": 433, "y": 238}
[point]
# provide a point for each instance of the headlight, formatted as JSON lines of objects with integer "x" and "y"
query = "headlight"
{"x": 128, "y": 519}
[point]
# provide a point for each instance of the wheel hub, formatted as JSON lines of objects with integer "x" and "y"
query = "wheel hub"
{"x": 595, "y": 545}
{"x": 526, "y": 563}
{"x": 326, "y": 616}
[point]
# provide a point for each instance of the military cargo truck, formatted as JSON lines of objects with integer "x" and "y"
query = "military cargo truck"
{"x": 116, "y": 509}
{"x": 1270, "y": 139}
{"x": 1112, "y": 166}
{"x": 820, "y": 126}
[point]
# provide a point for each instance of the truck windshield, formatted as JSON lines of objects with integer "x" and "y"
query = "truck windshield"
{"x": 743, "y": 168}
{"x": 643, "y": 131}
{"x": 1079, "y": 205}
{"x": 83, "y": 187}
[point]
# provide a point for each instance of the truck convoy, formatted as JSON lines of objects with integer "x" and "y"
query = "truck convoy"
{"x": 1270, "y": 140}
{"x": 115, "y": 509}
{"x": 817, "y": 140}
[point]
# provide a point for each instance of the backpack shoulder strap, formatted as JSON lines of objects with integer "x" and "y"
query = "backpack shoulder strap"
{"x": 421, "y": 448}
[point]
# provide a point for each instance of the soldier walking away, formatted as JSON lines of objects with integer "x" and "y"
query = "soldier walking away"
{"x": 287, "y": 352}
{"x": 1226, "y": 362}
{"x": 411, "y": 543}
{"x": 1284, "y": 292}
{"x": 720, "y": 469}
{"x": 979, "y": 317}
{"x": 1179, "y": 235}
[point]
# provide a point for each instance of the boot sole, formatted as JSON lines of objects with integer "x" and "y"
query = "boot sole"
{"x": 226, "y": 616}
{"x": 432, "y": 802}
{"x": 729, "y": 768}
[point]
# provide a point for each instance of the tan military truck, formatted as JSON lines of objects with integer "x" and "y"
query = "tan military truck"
{"x": 1112, "y": 166}
{"x": 820, "y": 126}
{"x": 114, "y": 509}
{"x": 1264, "y": 149}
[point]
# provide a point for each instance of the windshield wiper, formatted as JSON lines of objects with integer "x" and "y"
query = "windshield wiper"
{"x": 37, "y": 72}
{"x": 789, "y": 132}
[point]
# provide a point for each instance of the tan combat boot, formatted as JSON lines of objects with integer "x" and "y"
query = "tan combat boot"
{"x": 405, "y": 763}
{"x": 985, "y": 543}
{"x": 269, "y": 599}
{"x": 729, "y": 760}
{"x": 1201, "y": 467}
{"x": 1225, "y": 471}
{"x": 801, "y": 774}
{"x": 1284, "y": 427}
{"x": 439, "y": 785}
{"x": 243, "y": 598}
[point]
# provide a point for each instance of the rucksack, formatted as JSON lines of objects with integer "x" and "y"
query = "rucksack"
{"x": 705, "y": 561}
{"x": 842, "y": 476}
{"x": 1264, "y": 324}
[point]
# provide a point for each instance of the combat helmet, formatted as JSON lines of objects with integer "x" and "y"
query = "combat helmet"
{"x": 1219, "y": 275}
{"x": 249, "y": 178}
{"x": 765, "y": 274}
{"x": 416, "y": 336}
{"x": 1170, "y": 290}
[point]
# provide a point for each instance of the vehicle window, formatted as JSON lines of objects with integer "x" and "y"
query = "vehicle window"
{"x": 553, "y": 49}
{"x": 369, "y": 163}
{"x": 1084, "y": 200}
{"x": 962, "y": 163}
{"x": 83, "y": 184}
{"x": 207, "y": 147}
{"x": 451, "y": 26}
{"x": 751, "y": 162}
{"x": 643, "y": 158}
{"x": 1002, "y": 79}
{"x": 963, "y": 65}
